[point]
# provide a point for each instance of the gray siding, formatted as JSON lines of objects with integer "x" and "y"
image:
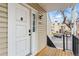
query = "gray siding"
{"x": 3, "y": 29}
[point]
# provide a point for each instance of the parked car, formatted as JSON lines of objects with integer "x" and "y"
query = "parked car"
{"x": 58, "y": 35}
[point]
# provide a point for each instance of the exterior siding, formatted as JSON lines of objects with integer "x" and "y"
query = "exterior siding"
{"x": 42, "y": 28}
{"x": 3, "y": 29}
{"x": 42, "y": 32}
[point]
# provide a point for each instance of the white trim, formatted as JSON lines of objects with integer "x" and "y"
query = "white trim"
{"x": 11, "y": 29}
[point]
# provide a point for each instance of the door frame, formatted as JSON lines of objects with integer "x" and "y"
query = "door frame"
{"x": 35, "y": 33}
{"x": 12, "y": 27}
{"x": 32, "y": 9}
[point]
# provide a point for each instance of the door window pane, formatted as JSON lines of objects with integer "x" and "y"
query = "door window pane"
{"x": 33, "y": 22}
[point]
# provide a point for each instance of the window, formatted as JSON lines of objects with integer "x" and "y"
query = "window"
{"x": 33, "y": 22}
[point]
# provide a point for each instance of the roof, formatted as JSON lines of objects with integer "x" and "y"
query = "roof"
{"x": 55, "y": 6}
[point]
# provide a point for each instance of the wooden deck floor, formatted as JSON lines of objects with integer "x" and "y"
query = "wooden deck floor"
{"x": 48, "y": 51}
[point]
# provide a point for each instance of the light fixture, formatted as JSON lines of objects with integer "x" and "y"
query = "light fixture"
{"x": 40, "y": 19}
{"x": 40, "y": 16}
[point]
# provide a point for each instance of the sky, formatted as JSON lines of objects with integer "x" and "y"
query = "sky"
{"x": 57, "y": 15}
{"x": 67, "y": 13}
{"x": 77, "y": 7}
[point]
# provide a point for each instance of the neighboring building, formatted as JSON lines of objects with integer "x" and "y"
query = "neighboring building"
{"x": 56, "y": 28}
{"x": 77, "y": 23}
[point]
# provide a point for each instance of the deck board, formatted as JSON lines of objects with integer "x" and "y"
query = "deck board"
{"x": 48, "y": 51}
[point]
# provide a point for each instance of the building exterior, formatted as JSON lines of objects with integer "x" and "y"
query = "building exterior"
{"x": 56, "y": 28}
{"x": 23, "y": 28}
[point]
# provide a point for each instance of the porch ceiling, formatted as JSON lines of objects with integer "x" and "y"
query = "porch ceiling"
{"x": 55, "y": 6}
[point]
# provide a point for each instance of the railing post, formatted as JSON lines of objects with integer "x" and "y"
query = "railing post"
{"x": 63, "y": 42}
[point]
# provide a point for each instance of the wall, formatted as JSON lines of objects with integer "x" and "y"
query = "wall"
{"x": 42, "y": 32}
{"x": 48, "y": 26}
{"x": 3, "y": 29}
{"x": 41, "y": 26}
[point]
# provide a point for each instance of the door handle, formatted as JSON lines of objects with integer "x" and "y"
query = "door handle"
{"x": 29, "y": 34}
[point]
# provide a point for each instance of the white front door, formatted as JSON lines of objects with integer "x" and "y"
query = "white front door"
{"x": 34, "y": 35}
{"x": 22, "y": 41}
